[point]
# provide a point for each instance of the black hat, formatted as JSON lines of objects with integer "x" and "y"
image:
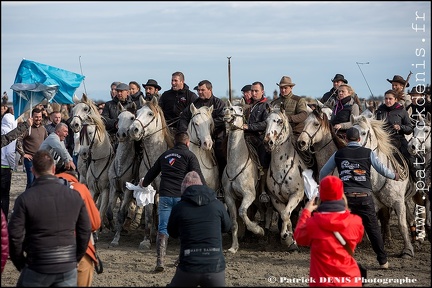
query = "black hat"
{"x": 246, "y": 88}
{"x": 353, "y": 134}
{"x": 153, "y": 83}
{"x": 196, "y": 88}
{"x": 339, "y": 77}
{"x": 122, "y": 87}
{"x": 398, "y": 79}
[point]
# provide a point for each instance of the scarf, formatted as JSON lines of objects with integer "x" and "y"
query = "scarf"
{"x": 332, "y": 206}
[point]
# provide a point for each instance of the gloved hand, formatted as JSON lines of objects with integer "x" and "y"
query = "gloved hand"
{"x": 396, "y": 176}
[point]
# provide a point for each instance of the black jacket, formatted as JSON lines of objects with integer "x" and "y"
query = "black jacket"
{"x": 174, "y": 102}
{"x": 217, "y": 115}
{"x": 199, "y": 220}
{"x": 51, "y": 225}
{"x": 257, "y": 118}
{"x": 110, "y": 113}
{"x": 395, "y": 114}
{"x": 174, "y": 164}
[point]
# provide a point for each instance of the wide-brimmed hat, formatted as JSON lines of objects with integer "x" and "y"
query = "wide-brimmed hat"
{"x": 246, "y": 88}
{"x": 414, "y": 91}
{"x": 339, "y": 77}
{"x": 122, "y": 87}
{"x": 153, "y": 83}
{"x": 285, "y": 81}
{"x": 398, "y": 79}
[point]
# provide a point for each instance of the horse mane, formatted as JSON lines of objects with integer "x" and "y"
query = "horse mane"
{"x": 169, "y": 139}
{"x": 382, "y": 135}
{"x": 326, "y": 126}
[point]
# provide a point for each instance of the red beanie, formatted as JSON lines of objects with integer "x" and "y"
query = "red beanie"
{"x": 331, "y": 188}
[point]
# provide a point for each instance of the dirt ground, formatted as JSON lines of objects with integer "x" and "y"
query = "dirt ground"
{"x": 257, "y": 263}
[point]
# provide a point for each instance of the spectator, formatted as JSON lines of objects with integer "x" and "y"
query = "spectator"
{"x": 398, "y": 85}
{"x": 328, "y": 258}
{"x": 54, "y": 143}
{"x": 354, "y": 164}
{"x": 49, "y": 229}
{"x": 173, "y": 165}
{"x": 87, "y": 263}
{"x": 113, "y": 91}
{"x": 174, "y": 101}
{"x": 29, "y": 142}
{"x": 247, "y": 93}
{"x": 8, "y": 123}
{"x": 419, "y": 103}
{"x": 135, "y": 93}
{"x": 199, "y": 220}
{"x": 4, "y": 241}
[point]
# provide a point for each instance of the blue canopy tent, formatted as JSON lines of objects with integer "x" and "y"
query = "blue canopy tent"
{"x": 35, "y": 82}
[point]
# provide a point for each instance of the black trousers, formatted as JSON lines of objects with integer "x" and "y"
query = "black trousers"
{"x": 365, "y": 208}
{"x": 6, "y": 179}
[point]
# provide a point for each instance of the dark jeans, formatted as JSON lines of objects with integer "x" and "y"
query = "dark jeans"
{"x": 6, "y": 179}
{"x": 30, "y": 278}
{"x": 30, "y": 177}
{"x": 188, "y": 279}
{"x": 365, "y": 208}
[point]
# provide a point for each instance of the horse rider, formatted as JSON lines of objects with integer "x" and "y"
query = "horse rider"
{"x": 329, "y": 98}
{"x": 398, "y": 84}
{"x": 295, "y": 106}
{"x": 345, "y": 107}
{"x": 152, "y": 89}
{"x": 174, "y": 101}
{"x": 398, "y": 124}
{"x": 354, "y": 164}
{"x": 254, "y": 132}
{"x": 111, "y": 111}
{"x": 206, "y": 98}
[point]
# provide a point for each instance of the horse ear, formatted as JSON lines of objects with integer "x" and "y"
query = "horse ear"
{"x": 84, "y": 98}
{"x": 352, "y": 119}
{"x": 192, "y": 108}
{"x": 142, "y": 101}
{"x": 319, "y": 104}
{"x": 120, "y": 107}
{"x": 211, "y": 109}
{"x": 428, "y": 117}
{"x": 242, "y": 102}
{"x": 154, "y": 101}
{"x": 75, "y": 99}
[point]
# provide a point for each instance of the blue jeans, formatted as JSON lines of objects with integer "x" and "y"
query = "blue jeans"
{"x": 164, "y": 211}
{"x": 30, "y": 278}
{"x": 30, "y": 177}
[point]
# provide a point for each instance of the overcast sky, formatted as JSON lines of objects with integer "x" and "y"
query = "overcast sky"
{"x": 135, "y": 41}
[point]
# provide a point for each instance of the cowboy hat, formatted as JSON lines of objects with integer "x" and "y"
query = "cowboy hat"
{"x": 153, "y": 83}
{"x": 398, "y": 79}
{"x": 339, "y": 77}
{"x": 285, "y": 81}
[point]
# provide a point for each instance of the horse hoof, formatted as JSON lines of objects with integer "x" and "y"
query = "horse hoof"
{"x": 232, "y": 250}
{"x": 406, "y": 255}
{"x": 114, "y": 244}
{"x": 293, "y": 248}
{"x": 145, "y": 245}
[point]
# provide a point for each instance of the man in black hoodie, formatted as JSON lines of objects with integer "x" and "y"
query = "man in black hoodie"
{"x": 199, "y": 220}
{"x": 175, "y": 100}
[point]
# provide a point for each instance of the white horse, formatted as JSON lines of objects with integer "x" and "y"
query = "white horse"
{"x": 420, "y": 146}
{"x": 240, "y": 176}
{"x": 387, "y": 193}
{"x": 150, "y": 128}
{"x": 124, "y": 168}
{"x": 284, "y": 179}
{"x": 200, "y": 129}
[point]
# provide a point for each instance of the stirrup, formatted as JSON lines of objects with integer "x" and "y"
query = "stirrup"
{"x": 264, "y": 197}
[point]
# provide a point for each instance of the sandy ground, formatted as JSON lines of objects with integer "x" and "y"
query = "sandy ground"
{"x": 259, "y": 262}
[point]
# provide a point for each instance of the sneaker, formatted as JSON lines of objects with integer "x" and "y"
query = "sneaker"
{"x": 384, "y": 266}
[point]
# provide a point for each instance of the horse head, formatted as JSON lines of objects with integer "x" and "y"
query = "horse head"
{"x": 420, "y": 142}
{"x": 83, "y": 113}
{"x": 234, "y": 115}
{"x": 278, "y": 129}
{"x": 125, "y": 120}
{"x": 201, "y": 127}
{"x": 146, "y": 120}
{"x": 316, "y": 128}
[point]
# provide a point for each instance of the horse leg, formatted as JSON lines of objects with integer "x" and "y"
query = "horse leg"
{"x": 400, "y": 210}
{"x": 120, "y": 214}
{"x": 287, "y": 235}
{"x": 242, "y": 211}
{"x": 148, "y": 223}
{"x": 234, "y": 229}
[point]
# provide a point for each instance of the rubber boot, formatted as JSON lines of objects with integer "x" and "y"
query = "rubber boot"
{"x": 264, "y": 197}
{"x": 161, "y": 243}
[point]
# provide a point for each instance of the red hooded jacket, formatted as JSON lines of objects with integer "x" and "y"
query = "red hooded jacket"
{"x": 330, "y": 263}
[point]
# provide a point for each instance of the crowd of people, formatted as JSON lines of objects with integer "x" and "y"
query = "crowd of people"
{"x": 45, "y": 144}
